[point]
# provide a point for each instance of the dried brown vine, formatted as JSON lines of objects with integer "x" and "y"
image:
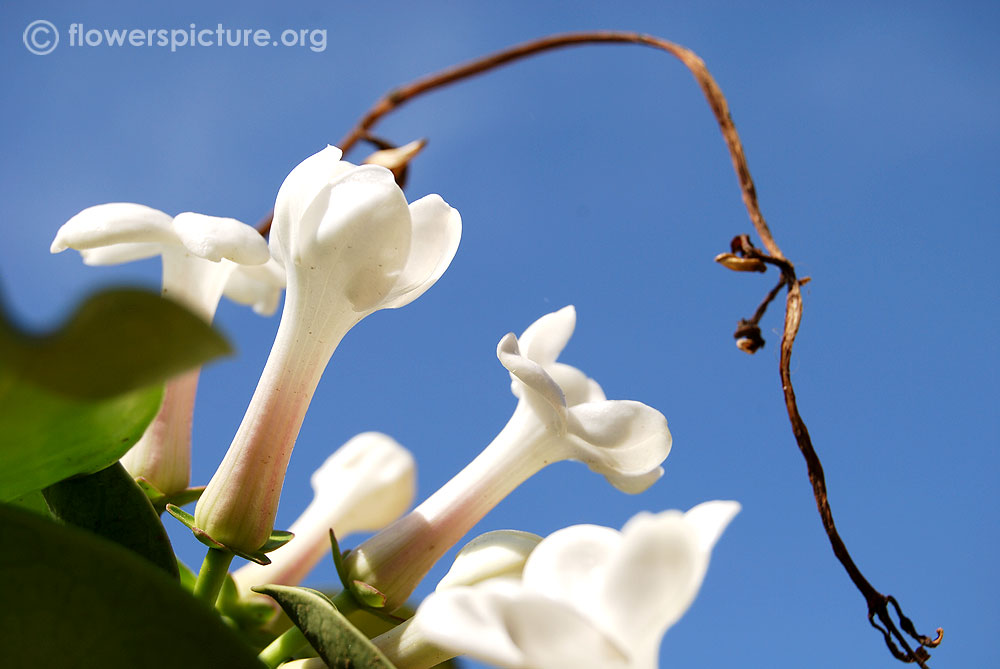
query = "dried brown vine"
{"x": 748, "y": 332}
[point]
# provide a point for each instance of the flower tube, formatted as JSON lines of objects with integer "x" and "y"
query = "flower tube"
{"x": 350, "y": 245}
{"x": 365, "y": 485}
{"x": 588, "y": 597}
{"x": 203, "y": 258}
{"x": 561, "y": 415}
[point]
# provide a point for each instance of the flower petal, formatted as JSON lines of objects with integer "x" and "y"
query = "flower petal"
{"x": 497, "y": 554}
{"x": 576, "y": 386}
{"x": 570, "y": 564}
{"x": 117, "y": 254}
{"x": 298, "y": 191}
{"x": 114, "y": 223}
{"x": 710, "y": 519}
{"x": 533, "y": 384}
{"x": 259, "y": 286}
{"x": 437, "y": 229}
{"x": 652, "y": 579}
{"x": 362, "y": 235}
{"x": 503, "y": 624}
{"x": 214, "y": 238}
{"x": 545, "y": 339}
{"x": 377, "y": 477}
{"x": 471, "y": 621}
{"x": 619, "y": 437}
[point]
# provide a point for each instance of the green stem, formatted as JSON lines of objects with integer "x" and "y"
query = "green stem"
{"x": 284, "y": 647}
{"x": 212, "y": 576}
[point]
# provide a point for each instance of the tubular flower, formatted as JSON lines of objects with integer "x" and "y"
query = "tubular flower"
{"x": 204, "y": 258}
{"x": 560, "y": 415}
{"x": 588, "y": 597}
{"x": 350, "y": 245}
{"x": 365, "y": 485}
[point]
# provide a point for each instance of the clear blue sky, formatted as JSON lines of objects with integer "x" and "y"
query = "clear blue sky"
{"x": 597, "y": 177}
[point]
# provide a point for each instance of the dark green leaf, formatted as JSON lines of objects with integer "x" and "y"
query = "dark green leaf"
{"x": 47, "y": 437}
{"x": 338, "y": 642}
{"x": 118, "y": 340}
{"x": 110, "y": 504}
{"x": 72, "y": 599}
{"x": 33, "y": 501}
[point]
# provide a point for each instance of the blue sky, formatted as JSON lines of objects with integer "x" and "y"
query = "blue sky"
{"x": 597, "y": 177}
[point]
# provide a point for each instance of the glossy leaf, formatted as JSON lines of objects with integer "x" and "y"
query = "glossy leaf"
{"x": 73, "y": 599}
{"x": 117, "y": 341}
{"x": 74, "y": 401}
{"x": 47, "y": 437}
{"x": 338, "y": 642}
{"x": 110, "y": 504}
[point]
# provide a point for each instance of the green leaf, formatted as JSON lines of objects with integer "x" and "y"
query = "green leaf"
{"x": 110, "y": 504}
{"x": 46, "y": 438}
{"x": 74, "y": 401}
{"x": 33, "y": 501}
{"x": 72, "y": 599}
{"x": 116, "y": 341}
{"x": 338, "y": 642}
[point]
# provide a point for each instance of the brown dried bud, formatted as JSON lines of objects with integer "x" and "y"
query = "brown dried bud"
{"x": 738, "y": 264}
{"x": 396, "y": 159}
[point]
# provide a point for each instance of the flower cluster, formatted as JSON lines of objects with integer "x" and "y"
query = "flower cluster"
{"x": 345, "y": 243}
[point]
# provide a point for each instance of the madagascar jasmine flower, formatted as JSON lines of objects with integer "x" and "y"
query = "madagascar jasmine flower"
{"x": 365, "y": 485}
{"x": 497, "y": 555}
{"x": 203, "y": 258}
{"x": 560, "y": 415}
{"x": 350, "y": 245}
{"x": 588, "y": 597}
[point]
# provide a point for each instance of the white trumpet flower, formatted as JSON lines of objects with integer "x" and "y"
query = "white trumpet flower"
{"x": 204, "y": 258}
{"x": 561, "y": 415}
{"x": 350, "y": 245}
{"x": 497, "y": 555}
{"x": 366, "y": 484}
{"x": 588, "y": 598}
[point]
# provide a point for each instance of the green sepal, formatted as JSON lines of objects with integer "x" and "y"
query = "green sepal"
{"x": 160, "y": 499}
{"x": 188, "y": 520}
{"x": 331, "y": 635}
{"x": 111, "y": 505}
{"x": 277, "y": 539}
{"x": 368, "y": 596}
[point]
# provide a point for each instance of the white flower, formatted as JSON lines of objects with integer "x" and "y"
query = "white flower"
{"x": 203, "y": 258}
{"x": 497, "y": 555}
{"x": 589, "y": 597}
{"x": 350, "y": 245}
{"x": 560, "y": 415}
{"x": 366, "y": 484}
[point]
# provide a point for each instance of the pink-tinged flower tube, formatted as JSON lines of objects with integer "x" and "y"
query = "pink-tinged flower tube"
{"x": 588, "y": 598}
{"x": 366, "y": 484}
{"x": 560, "y": 415}
{"x": 350, "y": 245}
{"x": 204, "y": 258}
